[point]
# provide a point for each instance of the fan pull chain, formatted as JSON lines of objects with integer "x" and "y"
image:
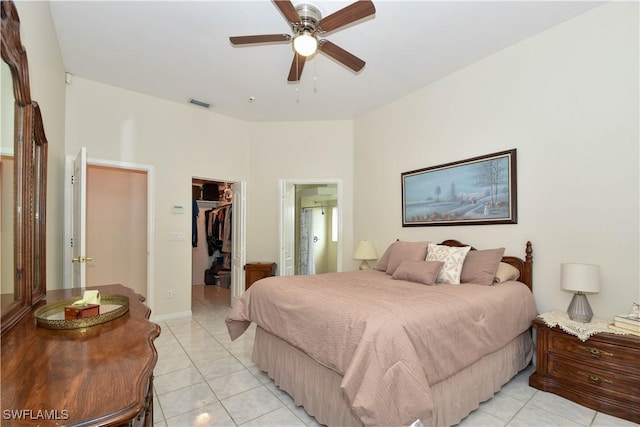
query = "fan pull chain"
{"x": 315, "y": 76}
{"x": 298, "y": 82}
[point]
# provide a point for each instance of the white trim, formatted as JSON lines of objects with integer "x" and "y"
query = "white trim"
{"x": 67, "y": 253}
{"x": 171, "y": 316}
{"x": 150, "y": 217}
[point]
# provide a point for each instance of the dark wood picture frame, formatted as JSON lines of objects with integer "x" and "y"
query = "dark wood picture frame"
{"x": 477, "y": 191}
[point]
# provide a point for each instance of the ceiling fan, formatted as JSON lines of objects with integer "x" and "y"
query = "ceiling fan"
{"x": 308, "y": 25}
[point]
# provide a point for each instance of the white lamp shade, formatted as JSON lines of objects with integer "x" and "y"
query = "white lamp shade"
{"x": 365, "y": 250}
{"x": 580, "y": 277}
{"x": 305, "y": 44}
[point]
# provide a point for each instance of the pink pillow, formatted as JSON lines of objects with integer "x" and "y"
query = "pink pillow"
{"x": 406, "y": 251}
{"x": 481, "y": 266}
{"x": 424, "y": 272}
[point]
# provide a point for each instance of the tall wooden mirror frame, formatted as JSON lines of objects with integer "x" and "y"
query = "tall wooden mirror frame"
{"x": 30, "y": 178}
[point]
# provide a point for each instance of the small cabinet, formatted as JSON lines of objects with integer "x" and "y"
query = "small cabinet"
{"x": 602, "y": 373}
{"x": 258, "y": 270}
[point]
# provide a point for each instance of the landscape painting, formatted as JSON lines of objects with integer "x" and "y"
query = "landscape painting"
{"x": 476, "y": 191}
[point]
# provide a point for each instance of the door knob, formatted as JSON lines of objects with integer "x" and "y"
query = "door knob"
{"x": 77, "y": 259}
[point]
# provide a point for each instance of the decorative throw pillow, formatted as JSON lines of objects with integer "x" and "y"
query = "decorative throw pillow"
{"x": 506, "y": 272}
{"x": 480, "y": 266}
{"x": 406, "y": 251}
{"x": 452, "y": 257}
{"x": 424, "y": 272}
{"x": 383, "y": 261}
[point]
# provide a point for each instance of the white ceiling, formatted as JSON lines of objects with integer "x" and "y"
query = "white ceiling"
{"x": 179, "y": 50}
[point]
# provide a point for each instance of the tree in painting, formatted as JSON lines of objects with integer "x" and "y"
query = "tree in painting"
{"x": 491, "y": 174}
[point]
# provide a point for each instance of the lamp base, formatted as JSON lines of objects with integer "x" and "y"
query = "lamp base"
{"x": 579, "y": 309}
{"x": 364, "y": 265}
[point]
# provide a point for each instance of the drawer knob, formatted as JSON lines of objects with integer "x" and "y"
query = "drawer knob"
{"x": 596, "y": 352}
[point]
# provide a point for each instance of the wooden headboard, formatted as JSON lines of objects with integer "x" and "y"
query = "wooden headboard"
{"x": 525, "y": 266}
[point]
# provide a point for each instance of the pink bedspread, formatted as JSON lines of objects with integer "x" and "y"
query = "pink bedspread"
{"x": 388, "y": 338}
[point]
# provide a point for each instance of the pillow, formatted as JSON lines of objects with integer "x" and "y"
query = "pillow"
{"x": 406, "y": 251}
{"x": 424, "y": 272}
{"x": 452, "y": 257}
{"x": 383, "y": 261}
{"x": 506, "y": 272}
{"x": 480, "y": 266}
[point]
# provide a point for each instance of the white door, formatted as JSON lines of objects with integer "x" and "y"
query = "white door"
{"x": 79, "y": 219}
{"x": 287, "y": 209}
{"x": 238, "y": 225}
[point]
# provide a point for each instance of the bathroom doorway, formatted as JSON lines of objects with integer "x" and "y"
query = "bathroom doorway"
{"x": 310, "y": 227}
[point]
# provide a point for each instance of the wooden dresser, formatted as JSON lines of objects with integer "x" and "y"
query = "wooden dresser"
{"x": 258, "y": 270}
{"x": 99, "y": 375}
{"x": 602, "y": 373}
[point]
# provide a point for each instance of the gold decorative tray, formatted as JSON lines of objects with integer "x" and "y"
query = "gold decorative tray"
{"x": 51, "y": 316}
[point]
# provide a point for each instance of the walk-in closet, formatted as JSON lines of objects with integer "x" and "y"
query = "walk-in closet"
{"x": 211, "y": 232}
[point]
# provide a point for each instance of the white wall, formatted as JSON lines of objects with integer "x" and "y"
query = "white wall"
{"x": 567, "y": 99}
{"x": 180, "y": 142}
{"x": 46, "y": 73}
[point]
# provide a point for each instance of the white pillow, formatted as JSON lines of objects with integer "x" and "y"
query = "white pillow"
{"x": 453, "y": 259}
{"x": 506, "y": 272}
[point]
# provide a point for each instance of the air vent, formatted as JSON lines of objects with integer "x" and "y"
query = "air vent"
{"x": 199, "y": 103}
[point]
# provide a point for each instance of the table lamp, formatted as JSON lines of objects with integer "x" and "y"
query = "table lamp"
{"x": 580, "y": 278}
{"x": 365, "y": 251}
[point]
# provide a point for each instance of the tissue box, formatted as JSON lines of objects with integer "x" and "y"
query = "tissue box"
{"x": 72, "y": 312}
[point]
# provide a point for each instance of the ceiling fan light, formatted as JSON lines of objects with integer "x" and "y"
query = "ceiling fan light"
{"x": 305, "y": 43}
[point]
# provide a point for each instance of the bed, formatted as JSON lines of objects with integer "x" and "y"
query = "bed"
{"x": 398, "y": 343}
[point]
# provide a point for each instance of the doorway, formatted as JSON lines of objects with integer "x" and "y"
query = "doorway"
{"x": 316, "y": 237}
{"x": 127, "y": 190}
{"x": 109, "y": 227}
{"x": 211, "y": 233}
{"x": 310, "y": 226}
{"x": 218, "y": 245}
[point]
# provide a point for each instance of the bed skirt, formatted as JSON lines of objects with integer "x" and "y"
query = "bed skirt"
{"x": 317, "y": 387}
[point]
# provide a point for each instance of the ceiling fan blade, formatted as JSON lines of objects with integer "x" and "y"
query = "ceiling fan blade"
{"x": 288, "y": 10}
{"x": 296, "y": 67}
{"x": 341, "y": 55}
{"x": 264, "y": 38}
{"x": 347, "y": 15}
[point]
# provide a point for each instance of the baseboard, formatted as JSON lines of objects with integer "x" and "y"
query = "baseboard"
{"x": 171, "y": 316}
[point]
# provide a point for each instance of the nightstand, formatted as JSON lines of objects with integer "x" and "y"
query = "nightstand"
{"x": 258, "y": 270}
{"x": 602, "y": 373}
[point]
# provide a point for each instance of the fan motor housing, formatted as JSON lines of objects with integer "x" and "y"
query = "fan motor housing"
{"x": 309, "y": 16}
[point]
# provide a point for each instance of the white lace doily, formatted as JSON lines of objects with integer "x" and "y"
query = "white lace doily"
{"x": 582, "y": 330}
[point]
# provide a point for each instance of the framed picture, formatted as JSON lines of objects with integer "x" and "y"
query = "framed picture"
{"x": 476, "y": 191}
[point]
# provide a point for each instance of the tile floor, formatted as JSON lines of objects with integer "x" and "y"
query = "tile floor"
{"x": 204, "y": 379}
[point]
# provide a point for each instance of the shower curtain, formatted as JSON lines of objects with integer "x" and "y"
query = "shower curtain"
{"x": 305, "y": 260}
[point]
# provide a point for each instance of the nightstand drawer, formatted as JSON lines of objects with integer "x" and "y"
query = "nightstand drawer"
{"x": 622, "y": 385}
{"x": 626, "y": 359}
